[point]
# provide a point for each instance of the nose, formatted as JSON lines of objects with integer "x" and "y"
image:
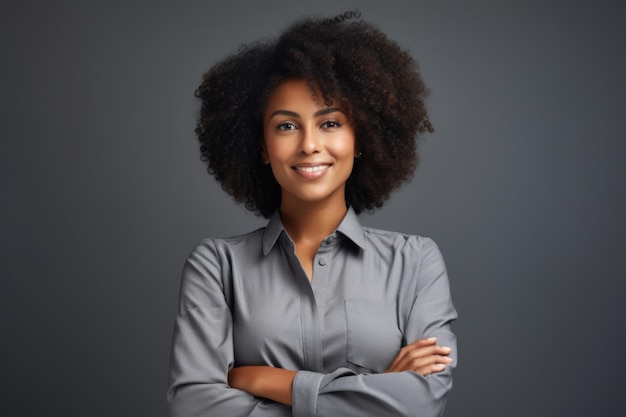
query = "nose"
{"x": 310, "y": 142}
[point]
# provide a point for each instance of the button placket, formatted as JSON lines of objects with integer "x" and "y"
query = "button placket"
{"x": 324, "y": 253}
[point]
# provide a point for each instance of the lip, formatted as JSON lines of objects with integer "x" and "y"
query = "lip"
{"x": 311, "y": 171}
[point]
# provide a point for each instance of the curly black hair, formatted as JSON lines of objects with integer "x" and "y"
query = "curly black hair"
{"x": 347, "y": 60}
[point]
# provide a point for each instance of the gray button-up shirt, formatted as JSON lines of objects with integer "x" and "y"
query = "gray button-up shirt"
{"x": 247, "y": 301}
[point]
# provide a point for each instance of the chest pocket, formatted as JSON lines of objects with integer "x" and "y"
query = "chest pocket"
{"x": 373, "y": 335}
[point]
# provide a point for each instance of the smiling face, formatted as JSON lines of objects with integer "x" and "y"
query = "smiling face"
{"x": 310, "y": 147}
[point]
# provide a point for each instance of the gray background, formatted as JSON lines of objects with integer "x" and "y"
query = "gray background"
{"x": 104, "y": 195}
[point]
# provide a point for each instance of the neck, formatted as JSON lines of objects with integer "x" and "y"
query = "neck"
{"x": 312, "y": 223}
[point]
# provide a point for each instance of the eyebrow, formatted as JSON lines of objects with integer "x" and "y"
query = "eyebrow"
{"x": 316, "y": 114}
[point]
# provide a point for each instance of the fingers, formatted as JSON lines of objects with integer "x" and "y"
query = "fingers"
{"x": 427, "y": 370}
{"x": 423, "y": 362}
{"x": 426, "y": 366}
{"x": 422, "y": 356}
{"x": 411, "y": 347}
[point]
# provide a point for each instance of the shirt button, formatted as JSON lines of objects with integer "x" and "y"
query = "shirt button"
{"x": 330, "y": 239}
{"x": 321, "y": 261}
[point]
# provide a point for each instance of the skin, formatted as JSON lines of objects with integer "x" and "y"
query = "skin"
{"x": 311, "y": 149}
{"x": 302, "y": 134}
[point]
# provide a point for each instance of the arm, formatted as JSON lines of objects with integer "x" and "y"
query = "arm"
{"x": 202, "y": 348}
{"x": 422, "y": 356}
{"x": 404, "y": 393}
{"x": 416, "y": 382}
{"x": 264, "y": 381}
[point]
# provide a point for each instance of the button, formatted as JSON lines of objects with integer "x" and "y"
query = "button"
{"x": 330, "y": 239}
{"x": 321, "y": 261}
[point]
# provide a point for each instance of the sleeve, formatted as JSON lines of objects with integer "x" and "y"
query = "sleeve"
{"x": 346, "y": 393}
{"x": 202, "y": 347}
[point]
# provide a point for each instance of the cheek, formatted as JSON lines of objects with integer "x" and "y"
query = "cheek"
{"x": 273, "y": 150}
{"x": 348, "y": 149}
{"x": 278, "y": 150}
{"x": 345, "y": 147}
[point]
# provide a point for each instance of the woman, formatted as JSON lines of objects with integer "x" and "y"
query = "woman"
{"x": 313, "y": 315}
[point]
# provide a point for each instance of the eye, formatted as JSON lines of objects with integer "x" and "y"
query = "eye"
{"x": 286, "y": 126}
{"x": 329, "y": 124}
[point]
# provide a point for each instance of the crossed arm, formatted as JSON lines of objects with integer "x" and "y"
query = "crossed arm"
{"x": 423, "y": 356}
{"x": 202, "y": 384}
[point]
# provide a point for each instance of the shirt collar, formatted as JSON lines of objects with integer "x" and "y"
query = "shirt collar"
{"x": 272, "y": 231}
{"x": 349, "y": 227}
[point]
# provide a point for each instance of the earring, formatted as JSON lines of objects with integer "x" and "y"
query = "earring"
{"x": 358, "y": 155}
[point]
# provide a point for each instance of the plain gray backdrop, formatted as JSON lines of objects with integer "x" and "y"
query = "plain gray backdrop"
{"x": 104, "y": 195}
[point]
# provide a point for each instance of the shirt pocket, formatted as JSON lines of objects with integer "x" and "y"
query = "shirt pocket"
{"x": 373, "y": 335}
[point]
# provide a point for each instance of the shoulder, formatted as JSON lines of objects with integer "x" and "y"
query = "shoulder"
{"x": 217, "y": 250}
{"x": 415, "y": 259}
{"x": 210, "y": 263}
{"x": 230, "y": 243}
{"x": 417, "y": 254}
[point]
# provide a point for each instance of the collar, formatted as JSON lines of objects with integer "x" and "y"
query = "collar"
{"x": 349, "y": 227}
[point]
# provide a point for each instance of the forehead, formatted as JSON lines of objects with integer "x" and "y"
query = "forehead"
{"x": 296, "y": 92}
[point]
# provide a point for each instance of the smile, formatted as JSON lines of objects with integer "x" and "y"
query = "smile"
{"x": 312, "y": 169}
{"x": 312, "y": 172}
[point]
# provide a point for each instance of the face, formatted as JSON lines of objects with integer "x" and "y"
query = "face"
{"x": 310, "y": 147}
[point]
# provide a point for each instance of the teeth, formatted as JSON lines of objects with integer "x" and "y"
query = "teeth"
{"x": 312, "y": 169}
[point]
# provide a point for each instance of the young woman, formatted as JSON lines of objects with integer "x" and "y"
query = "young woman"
{"x": 313, "y": 315}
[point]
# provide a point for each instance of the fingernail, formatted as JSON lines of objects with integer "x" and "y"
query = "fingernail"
{"x": 432, "y": 339}
{"x": 439, "y": 366}
{"x": 446, "y": 348}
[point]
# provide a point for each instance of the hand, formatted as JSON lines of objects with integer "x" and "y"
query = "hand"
{"x": 423, "y": 356}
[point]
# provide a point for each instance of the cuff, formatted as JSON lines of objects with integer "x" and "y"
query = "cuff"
{"x": 304, "y": 393}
